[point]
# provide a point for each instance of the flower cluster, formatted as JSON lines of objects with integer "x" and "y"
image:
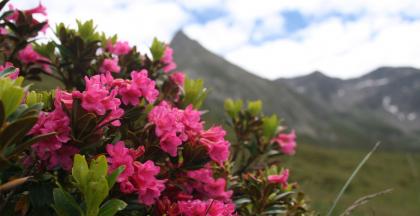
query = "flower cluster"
{"x": 168, "y": 60}
{"x": 28, "y": 56}
{"x": 137, "y": 177}
{"x": 209, "y": 207}
{"x": 208, "y": 187}
{"x": 54, "y": 151}
{"x": 287, "y": 142}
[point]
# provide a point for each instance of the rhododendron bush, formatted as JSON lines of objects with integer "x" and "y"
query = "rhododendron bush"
{"x": 123, "y": 133}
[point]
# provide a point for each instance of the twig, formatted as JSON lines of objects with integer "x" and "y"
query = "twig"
{"x": 363, "y": 200}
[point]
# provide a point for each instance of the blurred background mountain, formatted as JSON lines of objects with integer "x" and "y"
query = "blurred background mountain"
{"x": 379, "y": 106}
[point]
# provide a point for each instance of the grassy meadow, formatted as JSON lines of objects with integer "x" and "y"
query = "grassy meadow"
{"x": 321, "y": 173}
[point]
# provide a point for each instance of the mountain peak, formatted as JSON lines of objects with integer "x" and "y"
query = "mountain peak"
{"x": 180, "y": 35}
{"x": 391, "y": 72}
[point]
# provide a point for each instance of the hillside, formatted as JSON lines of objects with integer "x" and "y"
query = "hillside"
{"x": 325, "y": 110}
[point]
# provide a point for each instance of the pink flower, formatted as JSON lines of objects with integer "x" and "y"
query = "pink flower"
{"x": 119, "y": 48}
{"x": 54, "y": 151}
{"x": 63, "y": 157}
{"x": 130, "y": 94}
{"x": 137, "y": 177}
{"x": 63, "y": 97}
{"x": 28, "y": 55}
{"x": 3, "y": 31}
{"x": 217, "y": 146}
{"x": 168, "y": 60}
{"x": 168, "y": 127}
{"x": 178, "y": 78}
{"x": 110, "y": 65}
{"x": 7, "y": 65}
{"x": 169, "y": 143}
{"x": 147, "y": 186}
{"x": 209, "y": 207}
{"x": 192, "y": 122}
{"x": 40, "y": 9}
{"x": 280, "y": 179}
{"x": 120, "y": 156}
{"x": 209, "y": 187}
{"x": 100, "y": 99}
{"x": 145, "y": 85}
{"x": 287, "y": 142}
{"x": 140, "y": 86}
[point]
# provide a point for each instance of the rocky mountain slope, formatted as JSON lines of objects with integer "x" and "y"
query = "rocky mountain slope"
{"x": 381, "y": 105}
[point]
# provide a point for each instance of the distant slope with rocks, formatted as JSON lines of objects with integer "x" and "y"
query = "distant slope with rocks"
{"x": 381, "y": 105}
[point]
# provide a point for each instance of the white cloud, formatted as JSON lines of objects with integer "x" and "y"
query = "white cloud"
{"x": 135, "y": 21}
{"x": 378, "y": 35}
{"x": 220, "y": 35}
{"x": 344, "y": 49}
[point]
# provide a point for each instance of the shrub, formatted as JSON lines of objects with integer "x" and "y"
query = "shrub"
{"x": 137, "y": 122}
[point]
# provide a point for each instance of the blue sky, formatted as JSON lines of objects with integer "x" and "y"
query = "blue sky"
{"x": 271, "y": 38}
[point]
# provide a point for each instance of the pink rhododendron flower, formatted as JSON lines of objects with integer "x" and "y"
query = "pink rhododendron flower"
{"x": 130, "y": 94}
{"x": 7, "y": 65}
{"x": 140, "y": 86}
{"x": 287, "y": 142}
{"x": 119, "y": 48}
{"x": 178, "y": 78}
{"x": 169, "y": 127}
{"x": 28, "y": 55}
{"x": 63, "y": 157}
{"x": 53, "y": 150}
{"x": 209, "y": 187}
{"x": 120, "y": 156}
{"x": 202, "y": 208}
{"x": 98, "y": 99}
{"x": 40, "y": 9}
{"x": 174, "y": 126}
{"x": 137, "y": 177}
{"x": 280, "y": 179}
{"x": 146, "y": 85}
{"x": 63, "y": 97}
{"x": 168, "y": 60}
{"x": 192, "y": 122}
{"x": 3, "y": 31}
{"x": 217, "y": 147}
{"x": 110, "y": 65}
{"x": 147, "y": 186}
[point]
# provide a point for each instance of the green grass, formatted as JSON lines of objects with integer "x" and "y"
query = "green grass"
{"x": 321, "y": 173}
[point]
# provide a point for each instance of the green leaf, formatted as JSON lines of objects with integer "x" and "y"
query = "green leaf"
{"x": 157, "y": 49}
{"x": 16, "y": 131}
{"x": 11, "y": 94}
{"x": 270, "y": 125}
{"x": 194, "y": 93}
{"x": 23, "y": 146}
{"x": 111, "y": 207}
{"x": 98, "y": 168}
{"x": 80, "y": 171}
{"x": 112, "y": 178}
{"x": 255, "y": 107}
{"x": 64, "y": 204}
{"x": 233, "y": 107}
{"x": 95, "y": 194}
